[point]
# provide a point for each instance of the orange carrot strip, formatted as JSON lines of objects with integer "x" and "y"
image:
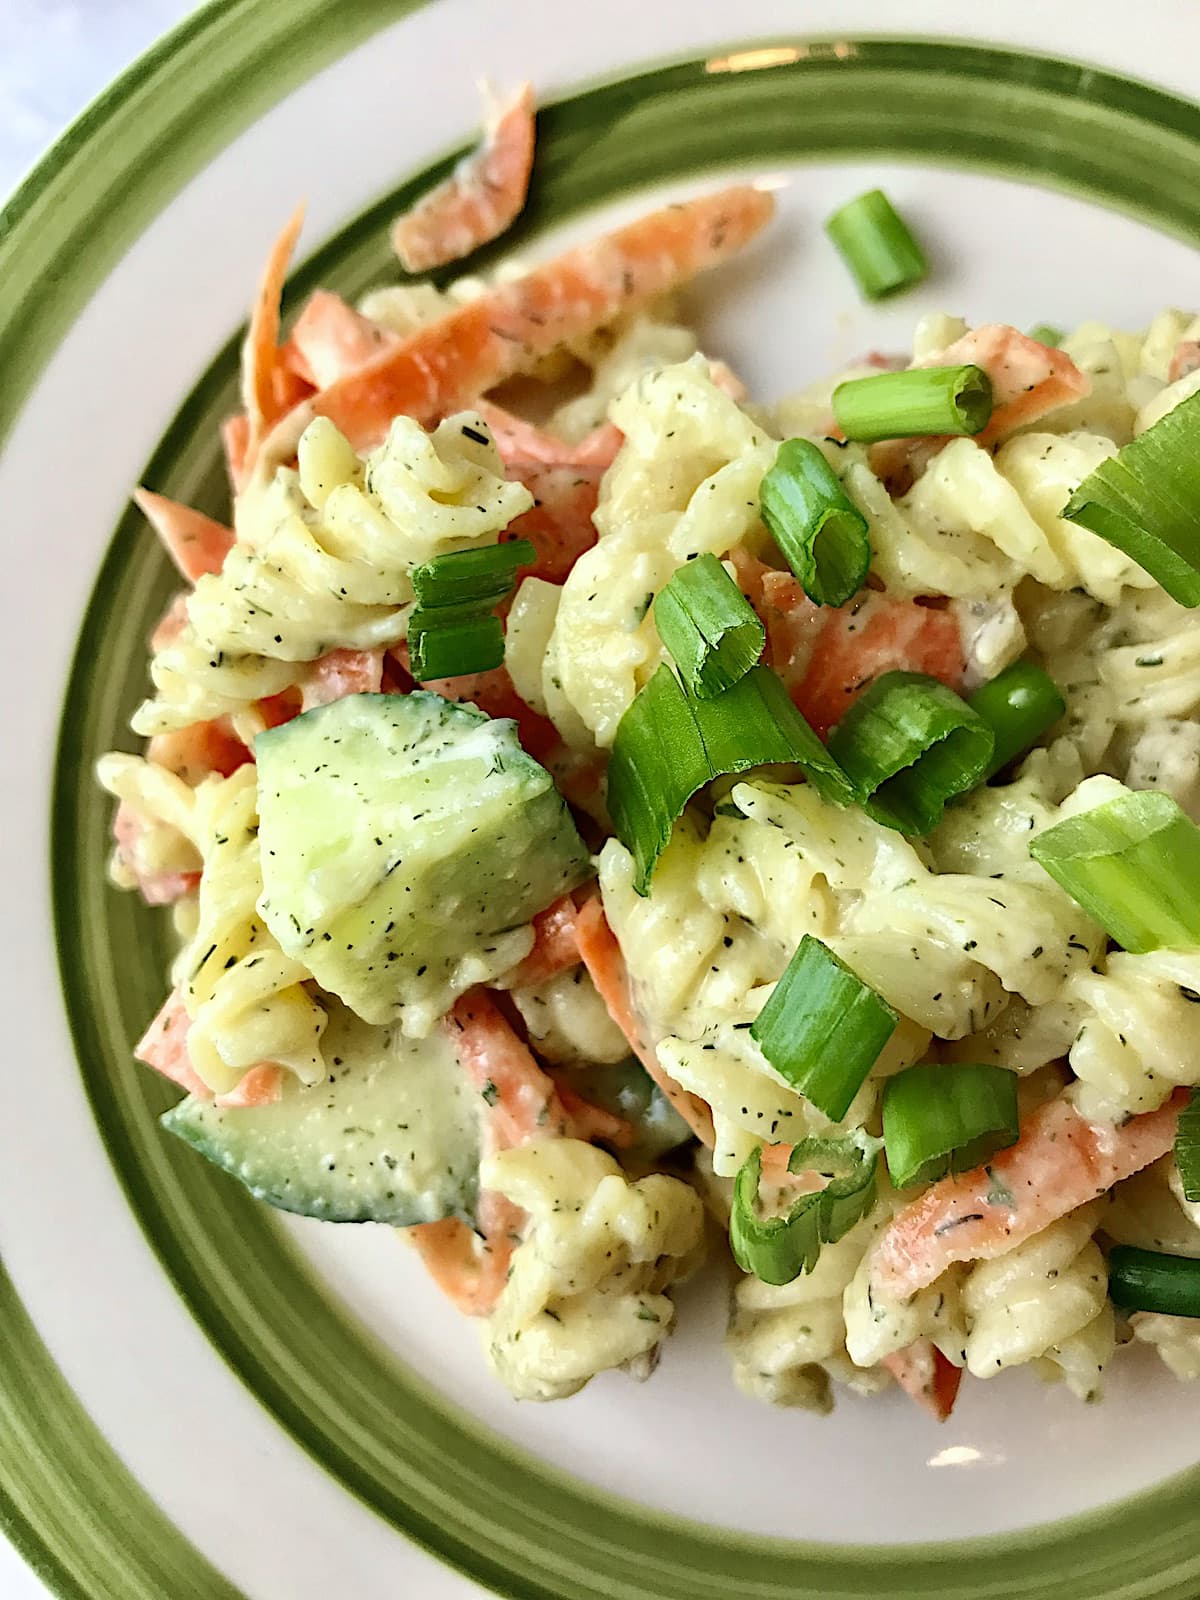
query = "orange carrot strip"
{"x": 470, "y": 1272}
{"x": 329, "y": 339}
{"x": 193, "y": 752}
{"x": 522, "y": 444}
{"x": 342, "y": 672}
{"x": 480, "y": 199}
{"x": 1185, "y": 360}
{"x": 925, "y": 1374}
{"x": 260, "y": 352}
{"x": 195, "y": 543}
{"x": 163, "y": 1046}
{"x": 443, "y": 365}
{"x": 258, "y": 1086}
{"x": 555, "y": 945}
{"x": 235, "y": 438}
{"x": 1060, "y": 1162}
{"x": 589, "y": 1121}
{"x": 522, "y": 1104}
{"x": 828, "y": 655}
{"x": 601, "y": 954}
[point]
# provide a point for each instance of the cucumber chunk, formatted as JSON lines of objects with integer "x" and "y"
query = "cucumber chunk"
{"x": 406, "y": 843}
{"x": 392, "y": 1135}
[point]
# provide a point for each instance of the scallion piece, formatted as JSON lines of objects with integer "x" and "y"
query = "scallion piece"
{"x": 1018, "y": 705}
{"x": 1187, "y": 1147}
{"x": 1047, "y": 333}
{"x": 1133, "y": 864}
{"x": 920, "y": 401}
{"x": 1144, "y": 1280}
{"x": 821, "y": 532}
{"x": 949, "y": 1117}
{"x": 670, "y": 744}
{"x": 909, "y": 744}
{"x": 778, "y": 1249}
{"x": 709, "y": 627}
{"x": 449, "y": 647}
{"x": 1145, "y": 501}
{"x": 875, "y": 243}
{"x": 822, "y": 1028}
{"x": 470, "y": 580}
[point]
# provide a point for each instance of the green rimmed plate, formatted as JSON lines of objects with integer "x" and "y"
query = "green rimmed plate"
{"x": 226, "y": 1357}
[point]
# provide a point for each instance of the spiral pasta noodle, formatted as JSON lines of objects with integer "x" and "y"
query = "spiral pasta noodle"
{"x": 587, "y": 1287}
{"x": 247, "y": 1001}
{"x": 322, "y": 562}
{"x": 1047, "y": 1298}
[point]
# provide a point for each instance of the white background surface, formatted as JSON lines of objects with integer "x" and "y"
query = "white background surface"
{"x": 56, "y": 55}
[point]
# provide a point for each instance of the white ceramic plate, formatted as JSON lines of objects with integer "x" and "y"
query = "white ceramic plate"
{"x": 294, "y": 1401}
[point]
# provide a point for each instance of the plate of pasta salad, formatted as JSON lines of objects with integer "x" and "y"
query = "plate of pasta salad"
{"x": 619, "y": 701}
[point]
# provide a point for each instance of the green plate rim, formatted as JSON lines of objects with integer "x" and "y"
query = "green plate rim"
{"x": 921, "y": 1562}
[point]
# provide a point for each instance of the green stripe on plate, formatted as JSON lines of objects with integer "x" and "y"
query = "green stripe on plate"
{"x": 107, "y": 1537}
{"x": 405, "y": 1450}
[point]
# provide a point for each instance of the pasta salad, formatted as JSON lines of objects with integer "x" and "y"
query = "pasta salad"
{"x": 608, "y": 819}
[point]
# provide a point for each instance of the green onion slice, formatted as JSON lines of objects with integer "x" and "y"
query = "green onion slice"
{"x": 822, "y": 1028}
{"x": 1133, "y": 864}
{"x": 1187, "y": 1147}
{"x": 778, "y": 1249}
{"x": 709, "y": 627}
{"x": 823, "y": 535}
{"x": 670, "y": 744}
{"x": 471, "y": 580}
{"x": 920, "y": 401}
{"x": 940, "y": 1118}
{"x": 449, "y": 647}
{"x": 1047, "y": 333}
{"x": 909, "y": 744}
{"x": 875, "y": 243}
{"x": 1144, "y": 1280}
{"x": 1018, "y": 705}
{"x": 1145, "y": 501}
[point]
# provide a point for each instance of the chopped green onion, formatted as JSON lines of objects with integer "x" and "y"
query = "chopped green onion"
{"x": 909, "y": 744}
{"x": 470, "y": 580}
{"x": 823, "y": 535}
{"x": 709, "y": 627}
{"x": 917, "y": 402}
{"x": 940, "y": 1118}
{"x": 778, "y": 1249}
{"x": 1018, "y": 705}
{"x": 669, "y": 745}
{"x": 875, "y": 243}
{"x": 1145, "y": 501}
{"x": 822, "y": 1028}
{"x": 1144, "y": 1280}
{"x": 1187, "y": 1147}
{"x": 1047, "y": 333}
{"x": 451, "y": 647}
{"x": 1133, "y": 864}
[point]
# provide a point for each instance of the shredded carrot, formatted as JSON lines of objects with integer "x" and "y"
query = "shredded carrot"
{"x": 330, "y": 339}
{"x": 194, "y": 542}
{"x": 926, "y": 1375}
{"x": 1060, "y": 1162}
{"x": 1185, "y": 360}
{"x": 506, "y": 331}
{"x": 339, "y": 673}
{"x": 601, "y": 954}
{"x": 523, "y": 444}
{"x": 260, "y": 352}
{"x": 480, "y": 199}
{"x": 555, "y": 945}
